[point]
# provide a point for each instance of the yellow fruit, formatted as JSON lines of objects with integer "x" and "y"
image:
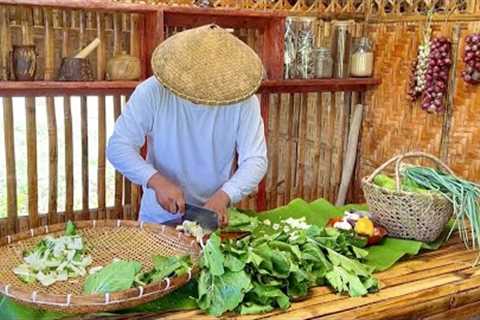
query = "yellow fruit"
{"x": 365, "y": 227}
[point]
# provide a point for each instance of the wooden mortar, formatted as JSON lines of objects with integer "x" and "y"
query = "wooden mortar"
{"x": 78, "y": 68}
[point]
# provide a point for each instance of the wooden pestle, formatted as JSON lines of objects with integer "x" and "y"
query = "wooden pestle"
{"x": 88, "y": 49}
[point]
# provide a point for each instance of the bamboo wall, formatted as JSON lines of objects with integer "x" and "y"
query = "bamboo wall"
{"x": 56, "y": 34}
{"x": 392, "y": 124}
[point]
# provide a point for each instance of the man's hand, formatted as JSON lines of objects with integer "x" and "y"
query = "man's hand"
{"x": 219, "y": 203}
{"x": 168, "y": 194}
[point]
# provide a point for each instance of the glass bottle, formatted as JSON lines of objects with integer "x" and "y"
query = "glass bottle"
{"x": 341, "y": 48}
{"x": 290, "y": 49}
{"x": 323, "y": 63}
{"x": 305, "y": 61}
{"x": 361, "y": 64}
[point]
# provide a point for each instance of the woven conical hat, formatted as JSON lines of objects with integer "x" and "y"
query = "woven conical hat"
{"x": 207, "y": 65}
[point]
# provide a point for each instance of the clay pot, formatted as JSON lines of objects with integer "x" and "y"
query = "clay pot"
{"x": 123, "y": 67}
{"x": 24, "y": 62}
{"x": 75, "y": 69}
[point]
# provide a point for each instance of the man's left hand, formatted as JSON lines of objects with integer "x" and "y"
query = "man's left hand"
{"x": 219, "y": 203}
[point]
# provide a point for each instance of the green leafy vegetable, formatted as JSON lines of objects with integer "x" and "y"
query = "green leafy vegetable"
{"x": 116, "y": 276}
{"x": 262, "y": 272}
{"x": 238, "y": 221}
{"x": 164, "y": 266}
{"x": 55, "y": 259}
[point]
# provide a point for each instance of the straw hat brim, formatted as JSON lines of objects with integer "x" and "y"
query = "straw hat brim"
{"x": 207, "y": 65}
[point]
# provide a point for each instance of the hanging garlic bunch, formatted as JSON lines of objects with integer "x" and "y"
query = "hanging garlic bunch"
{"x": 418, "y": 80}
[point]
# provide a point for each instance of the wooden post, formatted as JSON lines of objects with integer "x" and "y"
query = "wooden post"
{"x": 350, "y": 155}
{"x": 154, "y": 29}
{"x": 67, "y": 116}
{"x": 8, "y": 129}
{"x": 101, "y": 57}
{"x": 447, "y": 117}
{"x": 84, "y": 124}
{"x": 49, "y": 74}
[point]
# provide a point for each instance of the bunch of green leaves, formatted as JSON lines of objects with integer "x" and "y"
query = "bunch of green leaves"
{"x": 239, "y": 222}
{"x": 122, "y": 275}
{"x": 258, "y": 274}
{"x": 55, "y": 259}
{"x": 163, "y": 267}
{"x": 464, "y": 196}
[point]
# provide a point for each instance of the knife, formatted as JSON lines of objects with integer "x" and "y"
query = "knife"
{"x": 206, "y": 218}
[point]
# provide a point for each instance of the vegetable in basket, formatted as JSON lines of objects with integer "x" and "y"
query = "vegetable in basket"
{"x": 464, "y": 196}
{"x": 55, "y": 259}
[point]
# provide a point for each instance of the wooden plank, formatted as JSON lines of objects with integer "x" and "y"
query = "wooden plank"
{"x": 117, "y": 109}
{"x": 32, "y": 161}
{"x": 49, "y": 74}
{"x": 262, "y": 195}
{"x": 68, "y": 130}
{"x": 274, "y": 152}
{"x": 101, "y": 63}
{"x": 155, "y": 34}
{"x": 318, "y": 85}
{"x": 273, "y": 48}
{"x": 8, "y": 129}
{"x": 290, "y": 147}
{"x": 301, "y": 147}
{"x": 59, "y": 88}
{"x": 56, "y": 88}
{"x": 97, "y": 5}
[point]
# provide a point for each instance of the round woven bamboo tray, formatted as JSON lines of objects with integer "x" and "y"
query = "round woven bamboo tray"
{"x": 407, "y": 215}
{"x": 106, "y": 240}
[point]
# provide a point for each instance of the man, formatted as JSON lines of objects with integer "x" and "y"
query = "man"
{"x": 196, "y": 112}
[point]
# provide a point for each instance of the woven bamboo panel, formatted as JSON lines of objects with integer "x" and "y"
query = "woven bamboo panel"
{"x": 394, "y": 125}
{"x": 464, "y": 139}
{"x": 340, "y": 8}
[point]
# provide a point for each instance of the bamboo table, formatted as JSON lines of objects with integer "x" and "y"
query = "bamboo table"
{"x": 434, "y": 285}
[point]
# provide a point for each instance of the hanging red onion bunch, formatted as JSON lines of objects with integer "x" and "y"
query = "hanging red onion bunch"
{"x": 439, "y": 62}
{"x": 471, "y": 57}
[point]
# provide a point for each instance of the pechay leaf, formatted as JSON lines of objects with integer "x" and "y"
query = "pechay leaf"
{"x": 253, "y": 308}
{"x": 212, "y": 257}
{"x": 228, "y": 292}
{"x": 239, "y": 222}
{"x": 70, "y": 229}
{"x": 116, "y": 276}
{"x": 233, "y": 263}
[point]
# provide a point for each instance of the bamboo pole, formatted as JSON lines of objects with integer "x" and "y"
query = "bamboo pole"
{"x": 68, "y": 134}
{"x": 84, "y": 123}
{"x": 8, "y": 129}
{"x": 318, "y": 146}
{"x": 134, "y": 51}
{"x": 101, "y": 57}
{"x": 117, "y": 109}
{"x": 27, "y": 39}
{"x": 51, "y": 119}
{"x": 350, "y": 155}
{"x": 448, "y": 115}
{"x": 301, "y": 146}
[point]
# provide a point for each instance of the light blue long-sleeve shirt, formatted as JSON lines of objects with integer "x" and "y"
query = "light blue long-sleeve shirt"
{"x": 192, "y": 145}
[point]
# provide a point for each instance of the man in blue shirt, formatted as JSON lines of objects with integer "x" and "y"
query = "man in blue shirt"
{"x": 197, "y": 112}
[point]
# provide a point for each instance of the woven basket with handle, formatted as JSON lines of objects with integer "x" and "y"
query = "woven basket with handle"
{"x": 408, "y": 215}
{"x": 106, "y": 240}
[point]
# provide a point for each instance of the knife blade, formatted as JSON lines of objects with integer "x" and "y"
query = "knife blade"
{"x": 207, "y": 219}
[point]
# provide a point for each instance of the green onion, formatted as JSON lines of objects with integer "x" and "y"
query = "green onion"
{"x": 464, "y": 196}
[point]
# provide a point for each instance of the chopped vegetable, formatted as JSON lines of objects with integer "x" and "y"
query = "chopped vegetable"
{"x": 55, "y": 259}
{"x": 193, "y": 229}
{"x": 239, "y": 222}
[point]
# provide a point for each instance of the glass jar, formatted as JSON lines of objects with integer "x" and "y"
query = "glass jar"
{"x": 341, "y": 48}
{"x": 305, "y": 59}
{"x": 361, "y": 64}
{"x": 323, "y": 63}
{"x": 290, "y": 49}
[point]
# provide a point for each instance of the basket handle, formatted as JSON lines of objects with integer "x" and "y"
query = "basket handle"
{"x": 398, "y": 159}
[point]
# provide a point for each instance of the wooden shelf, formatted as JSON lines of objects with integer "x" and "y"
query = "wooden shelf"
{"x": 59, "y": 88}
{"x": 317, "y": 85}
